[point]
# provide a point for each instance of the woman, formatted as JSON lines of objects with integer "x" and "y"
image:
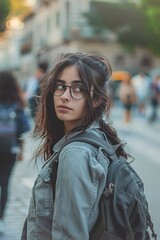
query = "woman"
{"x": 127, "y": 96}
{"x": 73, "y": 99}
{"x": 15, "y": 124}
{"x": 155, "y": 98}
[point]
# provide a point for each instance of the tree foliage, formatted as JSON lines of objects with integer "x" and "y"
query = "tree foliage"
{"x": 19, "y": 7}
{"x": 4, "y": 11}
{"x": 134, "y": 25}
{"x": 151, "y": 10}
{"x": 11, "y": 8}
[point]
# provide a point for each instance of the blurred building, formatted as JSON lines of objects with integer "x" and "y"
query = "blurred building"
{"x": 56, "y": 26}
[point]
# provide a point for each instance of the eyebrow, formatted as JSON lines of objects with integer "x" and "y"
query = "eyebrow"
{"x": 74, "y": 81}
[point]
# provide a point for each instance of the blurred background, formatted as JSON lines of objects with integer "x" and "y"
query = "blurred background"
{"x": 127, "y": 32}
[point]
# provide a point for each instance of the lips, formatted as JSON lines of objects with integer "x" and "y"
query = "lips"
{"x": 64, "y": 107}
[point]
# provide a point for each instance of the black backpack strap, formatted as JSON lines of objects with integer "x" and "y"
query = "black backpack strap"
{"x": 99, "y": 226}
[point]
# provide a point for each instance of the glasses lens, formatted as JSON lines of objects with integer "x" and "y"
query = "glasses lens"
{"x": 77, "y": 91}
{"x": 59, "y": 89}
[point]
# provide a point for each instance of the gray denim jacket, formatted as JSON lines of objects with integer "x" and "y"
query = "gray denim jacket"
{"x": 72, "y": 212}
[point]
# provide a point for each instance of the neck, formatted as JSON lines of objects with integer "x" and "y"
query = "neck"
{"x": 69, "y": 126}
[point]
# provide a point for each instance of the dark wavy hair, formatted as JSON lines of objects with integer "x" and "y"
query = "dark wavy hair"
{"x": 94, "y": 71}
{"x": 10, "y": 90}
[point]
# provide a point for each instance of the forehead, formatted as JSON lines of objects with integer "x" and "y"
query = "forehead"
{"x": 69, "y": 74}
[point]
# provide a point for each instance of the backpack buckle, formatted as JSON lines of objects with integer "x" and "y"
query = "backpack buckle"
{"x": 109, "y": 191}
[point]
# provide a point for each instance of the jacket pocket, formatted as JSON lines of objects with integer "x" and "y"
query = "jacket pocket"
{"x": 43, "y": 194}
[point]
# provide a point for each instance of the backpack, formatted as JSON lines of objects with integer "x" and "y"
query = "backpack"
{"x": 123, "y": 208}
{"x": 8, "y": 128}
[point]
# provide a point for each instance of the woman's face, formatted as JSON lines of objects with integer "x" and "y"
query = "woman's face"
{"x": 69, "y": 110}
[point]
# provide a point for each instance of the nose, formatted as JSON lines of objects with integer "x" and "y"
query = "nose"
{"x": 66, "y": 95}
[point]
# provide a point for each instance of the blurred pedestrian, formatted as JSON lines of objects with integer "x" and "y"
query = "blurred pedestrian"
{"x": 141, "y": 83}
{"x": 155, "y": 98}
{"x": 29, "y": 88}
{"x": 34, "y": 98}
{"x": 127, "y": 96}
{"x": 13, "y": 123}
{"x": 74, "y": 99}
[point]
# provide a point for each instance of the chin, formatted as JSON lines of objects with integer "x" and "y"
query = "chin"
{"x": 63, "y": 118}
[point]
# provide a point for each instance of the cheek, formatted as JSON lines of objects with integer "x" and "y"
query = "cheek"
{"x": 81, "y": 107}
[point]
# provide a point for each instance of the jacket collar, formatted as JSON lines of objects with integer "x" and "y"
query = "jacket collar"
{"x": 59, "y": 144}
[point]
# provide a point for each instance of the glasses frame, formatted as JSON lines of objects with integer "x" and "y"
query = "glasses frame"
{"x": 70, "y": 90}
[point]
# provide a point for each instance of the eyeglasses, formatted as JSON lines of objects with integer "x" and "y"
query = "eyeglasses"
{"x": 77, "y": 90}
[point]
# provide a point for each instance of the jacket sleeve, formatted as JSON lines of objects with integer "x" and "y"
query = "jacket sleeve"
{"x": 77, "y": 186}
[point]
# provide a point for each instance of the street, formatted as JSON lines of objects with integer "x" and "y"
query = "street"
{"x": 143, "y": 143}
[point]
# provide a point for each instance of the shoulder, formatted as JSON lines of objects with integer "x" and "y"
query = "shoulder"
{"x": 77, "y": 150}
{"x": 80, "y": 162}
{"x": 79, "y": 145}
{"x": 79, "y": 153}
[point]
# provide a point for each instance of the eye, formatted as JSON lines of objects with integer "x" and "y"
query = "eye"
{"x": 59, "y": 87}
{"x": 78, "y": 88}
